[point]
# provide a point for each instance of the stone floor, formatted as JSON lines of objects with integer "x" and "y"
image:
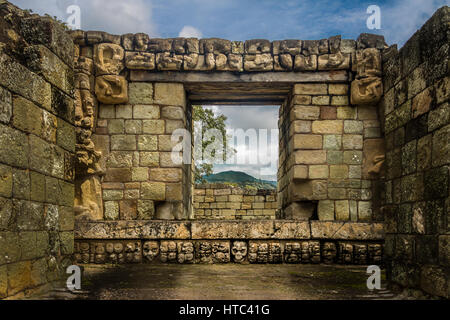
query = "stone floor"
{"x": 224, "y": 282}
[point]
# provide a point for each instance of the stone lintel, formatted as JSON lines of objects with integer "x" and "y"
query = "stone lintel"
{"x": 228, "y": 229}
{"x": 251, "y": 77}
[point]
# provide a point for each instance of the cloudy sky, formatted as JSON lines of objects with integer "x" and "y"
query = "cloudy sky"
{"x": 242, "y": 20}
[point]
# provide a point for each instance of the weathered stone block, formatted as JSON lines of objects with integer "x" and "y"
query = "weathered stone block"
{"x": 153, "y": 191}
{"x": 5, "y": 105}
{"x": 305, "y": 113}
{"x": 310, "y": 157}
{"x": 306, "y": 141}
{"x": 171, "y": 94}
{"x": 327, "y": 126}
{"x": 13, "y": 147}
{"x": 111, "y": 210}
{"x": 146, "y": 112}
{"x": 325, "y": 210}
{"x": 310, "y": 89}
{"x": 147, "y": 143}
{"x": 123, "y": 142}
{"x": 441, "y": 147}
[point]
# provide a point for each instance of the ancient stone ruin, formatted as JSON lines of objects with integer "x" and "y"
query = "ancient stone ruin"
{"x": 87, "y": 173}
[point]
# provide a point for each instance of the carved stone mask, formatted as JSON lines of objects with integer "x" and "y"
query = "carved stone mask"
{"x": 239, "y": 250}
{"x": 150, "y": 250}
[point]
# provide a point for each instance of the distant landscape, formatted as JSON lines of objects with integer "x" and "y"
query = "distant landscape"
{"x": 240, "y": 179}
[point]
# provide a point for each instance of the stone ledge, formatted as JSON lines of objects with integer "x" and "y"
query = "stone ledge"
{"x": 133, "y": 229}
{"x": 347, "y": 230}
{"x": 227, "y": 229}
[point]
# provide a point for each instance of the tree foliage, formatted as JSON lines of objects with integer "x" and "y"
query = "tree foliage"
{"x": 208, "y": 120}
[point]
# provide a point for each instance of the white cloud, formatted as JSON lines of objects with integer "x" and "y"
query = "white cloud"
{"x": 402, "y": 20}
{"x": 190, "y": 32}
{"x": 112, "y": 16}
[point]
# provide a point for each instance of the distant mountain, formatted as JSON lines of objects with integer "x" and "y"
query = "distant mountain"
{"x": 240, "y": 179}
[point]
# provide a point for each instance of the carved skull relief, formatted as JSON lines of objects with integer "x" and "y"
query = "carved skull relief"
{"x": 150, "y": 250}
{"x": 239, "y": 251}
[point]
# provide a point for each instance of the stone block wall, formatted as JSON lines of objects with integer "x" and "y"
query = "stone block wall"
{"x": 218, "y": 201}
{"x": 37, "y": 151}
{"x": 417, "y": 128}
{"x": 132, "y": 174}
{"x": 331, "y": 146}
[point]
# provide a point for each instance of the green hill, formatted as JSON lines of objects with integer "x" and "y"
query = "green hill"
{"x": 240, "y": 179}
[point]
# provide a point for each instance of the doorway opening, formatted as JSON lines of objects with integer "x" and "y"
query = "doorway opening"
{"x": 235, "y": 161}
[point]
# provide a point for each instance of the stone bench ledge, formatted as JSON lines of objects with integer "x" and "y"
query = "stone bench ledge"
{"x": 229, "y": 229}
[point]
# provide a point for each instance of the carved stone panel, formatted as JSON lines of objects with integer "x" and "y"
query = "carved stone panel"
{"x": 168, "y": 251}
{"x": 203, "y": 252}
{"x": 111, "y": 89}
{"x": 108, "y": 59}
{"x": 305, "y": 63}
{"x": 133, "y": 252}
{"x": 258, "y": 252}
{"x": 196, "y": 62}
{"x": 167, "y": 61}
{"x": 360, "y": 254}
{"x": 345, "y": 253}
{"x": 375, "y": 253}
{"x": 292, "y": 252}
{"x": 258, "y": 62}
{"x": 368, "y": 63}
{"x": 140, "y": 61}
{"x": 329, "y": 252}
{"x": 185, "y": 251}
{"x": 220, "y": 252}
{"x": 366, "y": 91}
{"x": 334, "y": 61}
{"x": 275, "y": 253}
{"x": 283, "y": 62}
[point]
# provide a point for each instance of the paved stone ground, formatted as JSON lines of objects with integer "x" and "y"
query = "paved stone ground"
{"x": 225, "y": 282}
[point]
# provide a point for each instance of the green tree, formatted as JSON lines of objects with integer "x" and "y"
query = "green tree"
{"x": 208, "y": 120}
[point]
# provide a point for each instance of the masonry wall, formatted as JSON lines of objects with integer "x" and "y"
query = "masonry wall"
{"x": 330, "y": 140}
{"x": 218, "y": 201}
{"x": 131, "y": 174}
{"x": 37, "y": 146}
{"x": 417, "y": 128}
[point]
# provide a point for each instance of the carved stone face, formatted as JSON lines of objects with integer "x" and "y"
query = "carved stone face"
{"x": 140, "y": 42}
{"x": 329, "y": 252}
{"x": 118, "y": 247}
{"x": 150, "y": 250}
{"x": 239, "y": 251}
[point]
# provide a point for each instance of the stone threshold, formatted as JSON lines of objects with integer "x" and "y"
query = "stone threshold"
{"x": 229, "y": 230}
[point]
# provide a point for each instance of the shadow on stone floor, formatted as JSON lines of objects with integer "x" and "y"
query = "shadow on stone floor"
{"x": 226, "y": 282}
